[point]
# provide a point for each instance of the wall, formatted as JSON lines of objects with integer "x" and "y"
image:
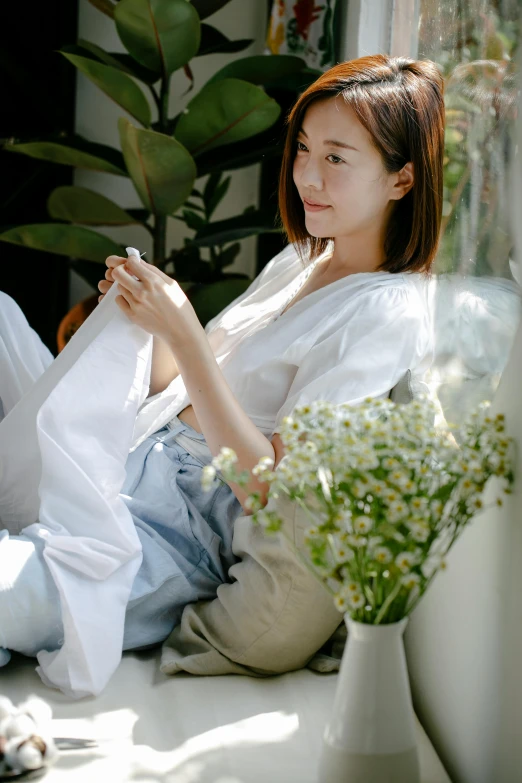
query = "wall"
{"x": 97, "y": 118}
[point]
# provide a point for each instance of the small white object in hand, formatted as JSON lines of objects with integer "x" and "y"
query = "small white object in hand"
{"x": 25, "y": 735}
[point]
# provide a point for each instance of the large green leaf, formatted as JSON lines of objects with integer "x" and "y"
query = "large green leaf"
{"x": 224, "y": 112}
{"x": 91, "y": 271}
{"x": 207, "y": 7}
{"x": 238, "y": 227}
{"x": 162, "y": 35}
{"x": 294, "y": 82}
{"x": 81, "y": 205}
{"x": 129, "y": 65}
{"x": 214, "y": 42}
{"x": 260, "y": 69}
{"x": 64, "y": 240}
{"x": 162, "y": 170}
{"x": 256, "y": 149}
{"x": 105, "y": 6}
{"x": 209, "y": 300}
{"x": 122, "y": 62}
{"x": 74, "y": 151}
{"x": 116, "y": 84}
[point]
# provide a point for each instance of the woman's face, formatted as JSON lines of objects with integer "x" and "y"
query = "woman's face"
{"x": 349, "y": 179}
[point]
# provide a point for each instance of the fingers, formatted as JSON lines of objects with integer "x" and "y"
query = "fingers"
{"x": 125, "y": 278}
{"x": 112, "y": 261}
{"x": 145, "y": 271}
{"x": 104, "y": 286}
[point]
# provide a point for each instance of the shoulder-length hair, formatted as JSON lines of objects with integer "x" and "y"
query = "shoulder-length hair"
{"x": 400, "y": 103}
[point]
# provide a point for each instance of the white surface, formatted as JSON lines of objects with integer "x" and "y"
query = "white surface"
{"x": 226, "y": 729}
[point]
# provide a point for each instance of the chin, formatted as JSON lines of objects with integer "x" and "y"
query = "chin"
{"x": 319, "y": 233}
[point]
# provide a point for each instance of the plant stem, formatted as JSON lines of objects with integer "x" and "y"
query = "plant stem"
{"x": 160, "y": 240}
{"x": 159, "y": 230}
{"x": 156, "y": 98}
{"x": 391, "y": 597}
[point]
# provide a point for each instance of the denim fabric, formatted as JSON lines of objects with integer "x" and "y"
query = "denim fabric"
{"x": 185, "y": 532}
{"x": 186, "y": 536}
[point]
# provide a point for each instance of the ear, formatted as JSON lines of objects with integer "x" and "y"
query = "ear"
{"x": 404, "y": 180}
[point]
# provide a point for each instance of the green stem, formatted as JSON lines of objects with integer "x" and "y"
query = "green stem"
{"x": 159, "y": 230}
{"x": 156, "y": 98}
{"x": 391, "y": 597}
{"x": 159, "y": 234}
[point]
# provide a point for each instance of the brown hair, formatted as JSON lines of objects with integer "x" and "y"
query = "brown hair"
{"x": 400, "y": 103}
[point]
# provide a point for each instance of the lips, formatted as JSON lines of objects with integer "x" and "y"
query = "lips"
{"x": 314, "y": 203}
{"x": 310, "y": 207}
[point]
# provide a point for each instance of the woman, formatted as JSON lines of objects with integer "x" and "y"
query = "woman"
{"x": 336, "y": 315}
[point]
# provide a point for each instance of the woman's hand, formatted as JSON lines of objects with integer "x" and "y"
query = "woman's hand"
{"x": 154, "y": 301}
{"x": 104, "y": 285}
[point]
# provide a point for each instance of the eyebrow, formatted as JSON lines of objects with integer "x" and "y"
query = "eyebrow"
{"x": 333, "y": 142}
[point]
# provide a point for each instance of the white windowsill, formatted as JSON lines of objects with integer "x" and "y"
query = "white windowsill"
{"x": 183, "y": 729}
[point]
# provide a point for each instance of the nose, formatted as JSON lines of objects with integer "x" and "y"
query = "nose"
{"x": 309, "y": 174}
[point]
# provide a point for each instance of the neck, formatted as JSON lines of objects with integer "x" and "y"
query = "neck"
{"x": 357, "y": 253}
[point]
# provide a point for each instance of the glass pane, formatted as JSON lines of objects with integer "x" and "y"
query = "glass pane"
{"x": 475, "y": 295}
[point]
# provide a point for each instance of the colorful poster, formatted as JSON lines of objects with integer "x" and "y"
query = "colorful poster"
{"x": 303, "y": 28}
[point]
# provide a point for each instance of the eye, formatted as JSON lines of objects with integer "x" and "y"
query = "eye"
{"x": 298, "y": 147}
{"x": 339, "y": 160}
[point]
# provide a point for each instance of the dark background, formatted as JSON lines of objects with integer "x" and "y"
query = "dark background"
{"x": 38, "y": 98}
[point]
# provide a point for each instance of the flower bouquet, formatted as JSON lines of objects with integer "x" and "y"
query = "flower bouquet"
{"x": 388, "y": 493}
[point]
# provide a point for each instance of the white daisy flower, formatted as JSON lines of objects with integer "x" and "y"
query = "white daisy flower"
{"x": 419, "y": 504}
{"x": 356, "y": 600}
{"x": 432, "y": 564}
{"x": 343, "y": 554}
{"x": 357, "y": 541}
{"x": 382, "y": 555}
{"x": 225, "y": 459}
{"x": 253, "y": 503}
{"x": 410, "y": 580}
{"x": 397, "y": 510}
{"x": 405, "y": 561}
{"x": 360, "y": 489}
{"x": 341, "y": 602}
{"x": 208, "y": 474}
{"x": 420, "y": 530}
{"x": 362, "y": 524}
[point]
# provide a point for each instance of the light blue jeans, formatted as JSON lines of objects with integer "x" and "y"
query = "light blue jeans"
{"x": 186, "y": 536}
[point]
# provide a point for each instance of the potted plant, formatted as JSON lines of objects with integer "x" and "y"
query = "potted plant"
{"x": 228, "y": 124}
{"x": 388, "y": 493}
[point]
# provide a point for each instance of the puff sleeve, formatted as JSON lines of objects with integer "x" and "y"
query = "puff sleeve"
{"x": 365, "y": 351}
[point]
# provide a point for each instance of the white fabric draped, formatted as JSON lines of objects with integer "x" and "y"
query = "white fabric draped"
{"x": 63, "y": 448}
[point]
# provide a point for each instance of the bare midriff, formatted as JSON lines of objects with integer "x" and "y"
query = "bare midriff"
{"x": 189, "y": 417}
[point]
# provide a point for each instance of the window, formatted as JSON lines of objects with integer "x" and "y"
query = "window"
{"x": 475, "y": 294}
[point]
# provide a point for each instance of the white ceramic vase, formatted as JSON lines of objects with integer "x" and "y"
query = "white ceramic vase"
{"x": 370, "y": 735}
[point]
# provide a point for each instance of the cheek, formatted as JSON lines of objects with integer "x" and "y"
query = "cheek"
{"x": 296, "y": 167}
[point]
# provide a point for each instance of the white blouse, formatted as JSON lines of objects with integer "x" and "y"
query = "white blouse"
{"x": 350, "y": 339}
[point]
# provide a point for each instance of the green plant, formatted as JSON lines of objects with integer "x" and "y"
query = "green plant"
{"x": 225, "y": 126}
{"x": 388, "y": 492}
